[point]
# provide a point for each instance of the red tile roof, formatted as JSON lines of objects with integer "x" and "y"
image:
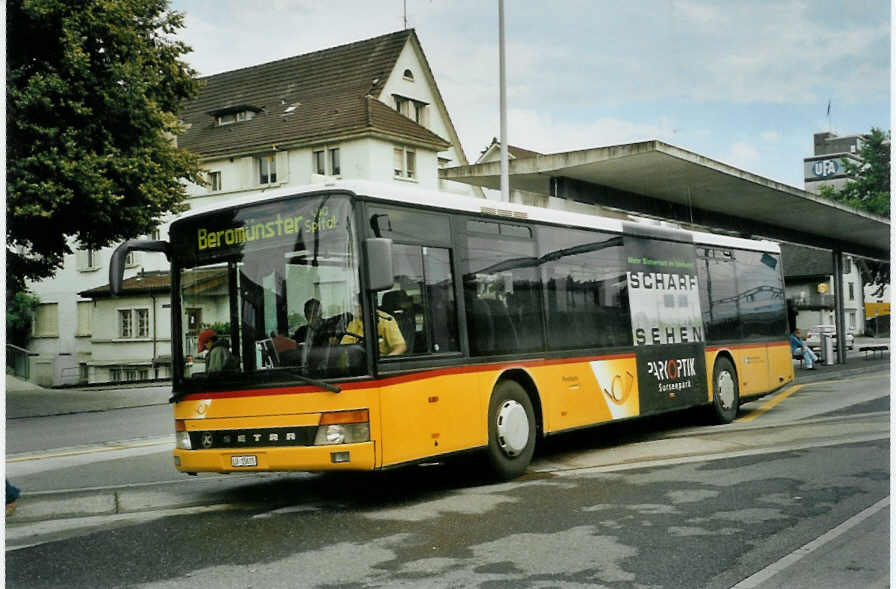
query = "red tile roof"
{"x": 158, "y": 282}
{"x": 302, "y": 99}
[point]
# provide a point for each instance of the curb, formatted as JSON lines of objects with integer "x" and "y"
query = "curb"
{"x": 46, "y": 506}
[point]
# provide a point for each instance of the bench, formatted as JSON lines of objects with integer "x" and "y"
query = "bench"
{"x": 797, "y": 355}
{"x": 871, "y": 351}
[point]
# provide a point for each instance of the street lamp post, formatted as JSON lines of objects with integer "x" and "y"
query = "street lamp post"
{"x": 502, "y": 81}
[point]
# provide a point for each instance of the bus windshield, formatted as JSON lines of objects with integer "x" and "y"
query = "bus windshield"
{"x": 267, "y": 292}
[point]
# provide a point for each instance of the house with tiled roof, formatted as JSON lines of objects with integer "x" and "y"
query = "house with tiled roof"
{"x": 367, "y": 110}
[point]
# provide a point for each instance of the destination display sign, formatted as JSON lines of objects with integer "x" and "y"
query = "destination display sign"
{"x": 291, "y": 223}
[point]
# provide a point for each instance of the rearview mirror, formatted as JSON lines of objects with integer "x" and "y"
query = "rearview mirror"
{"x": 116, "y": 264}
{"x": 379, "y": 263}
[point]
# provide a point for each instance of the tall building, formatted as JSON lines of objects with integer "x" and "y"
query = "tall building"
{"x": 369, "y": 110}
{"x": 808, "y": 272}
{"x": 825, "y": 167}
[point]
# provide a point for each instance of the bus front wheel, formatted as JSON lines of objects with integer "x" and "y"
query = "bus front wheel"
{"x": 725, "y": 394}
{"x": 511, "y": 430}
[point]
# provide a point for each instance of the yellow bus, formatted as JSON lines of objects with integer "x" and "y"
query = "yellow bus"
{"x": 496, "y": 325}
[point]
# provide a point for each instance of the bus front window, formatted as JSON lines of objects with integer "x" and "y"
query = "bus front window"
{"x": 270, "y": 293}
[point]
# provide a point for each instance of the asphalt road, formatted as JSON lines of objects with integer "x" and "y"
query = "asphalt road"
{"x": 794, "y": 494}
{"x": 30, "y": 434}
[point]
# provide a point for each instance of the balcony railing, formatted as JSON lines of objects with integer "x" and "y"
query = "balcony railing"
{"x": 17, "y": 362}
{"x": 813, "y": 301}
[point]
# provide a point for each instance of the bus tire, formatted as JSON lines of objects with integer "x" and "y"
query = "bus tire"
{"x": 511, "y": 430}
{"x": 725, "y": 393}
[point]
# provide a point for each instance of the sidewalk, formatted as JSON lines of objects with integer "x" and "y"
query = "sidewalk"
{"x": 26, "y": 399}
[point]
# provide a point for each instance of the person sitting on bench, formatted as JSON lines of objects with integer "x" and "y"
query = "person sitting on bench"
{"x": 799, "y": 348}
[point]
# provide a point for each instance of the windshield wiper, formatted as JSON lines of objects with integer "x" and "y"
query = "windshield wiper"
{"x": 292, "y": 371}
{"x": 313, "y": 381}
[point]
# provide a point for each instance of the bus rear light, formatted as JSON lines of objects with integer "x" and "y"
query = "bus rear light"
{"x": 334, "y": 417}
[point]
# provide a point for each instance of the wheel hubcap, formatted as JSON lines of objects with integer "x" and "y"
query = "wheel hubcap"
{"x": 725, "y": 389}
{"x": 513, "y": 428}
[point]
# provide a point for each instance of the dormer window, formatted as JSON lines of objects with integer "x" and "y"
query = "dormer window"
{"x": 412, "y": 109}
{"x": 237, "y": 117}
{"x": 233, "y": 115}
{"x": 408, "y": 75}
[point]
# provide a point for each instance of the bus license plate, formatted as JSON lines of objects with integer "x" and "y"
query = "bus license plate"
{"x": 243, "y": 461}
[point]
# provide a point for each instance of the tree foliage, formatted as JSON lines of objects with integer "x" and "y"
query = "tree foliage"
{"x": 92, "y": 91}
{"x": 868, "y": 189}
{"x": 20, "y": 309}
{"x": 868, "y": 182}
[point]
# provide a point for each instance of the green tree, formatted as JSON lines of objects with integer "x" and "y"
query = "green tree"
{"x": 868, "y": 189}
{"x": 92, "y": 91}
{"x": 20, "y": 310}
{"x": 868, "y": 181}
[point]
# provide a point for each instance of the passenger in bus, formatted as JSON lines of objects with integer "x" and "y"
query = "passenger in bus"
{"x": 312, "y": 333}
{"x": 800, "y": 349}
{"x": 203, "y": 342}
{"x": 391, "y": 342}
{"x": 219, "y": 357}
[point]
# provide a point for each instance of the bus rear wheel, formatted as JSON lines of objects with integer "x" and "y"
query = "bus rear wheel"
{"x": 511, "y": 430}
{"x": 725, "y": 393}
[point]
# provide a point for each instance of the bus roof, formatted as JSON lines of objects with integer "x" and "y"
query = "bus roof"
{"x": 456, "y": 202}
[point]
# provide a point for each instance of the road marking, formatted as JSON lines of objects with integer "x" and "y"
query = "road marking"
{"x": 791, "y": 559}
{"x": 770, "y": 403}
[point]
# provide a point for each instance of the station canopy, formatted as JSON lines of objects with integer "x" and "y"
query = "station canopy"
{"x": 659, "y": 180}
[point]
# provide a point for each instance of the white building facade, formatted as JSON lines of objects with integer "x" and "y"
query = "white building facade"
{"x": 292, "y": 122}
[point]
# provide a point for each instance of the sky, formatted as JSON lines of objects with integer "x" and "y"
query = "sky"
{"x": 744, "y": 83}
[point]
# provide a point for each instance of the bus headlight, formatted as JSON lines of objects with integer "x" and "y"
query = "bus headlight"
{"x": 343, "y": 427}
{"x": 183, "y": 441}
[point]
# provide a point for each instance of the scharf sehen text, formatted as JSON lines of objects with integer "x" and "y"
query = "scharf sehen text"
{"x": 661, "y": 281}
{"x": 668, "y": 335}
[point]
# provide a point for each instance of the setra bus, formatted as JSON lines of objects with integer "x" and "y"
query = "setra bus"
{"x": 493, "y": 327}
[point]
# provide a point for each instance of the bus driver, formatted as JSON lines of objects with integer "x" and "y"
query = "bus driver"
{"x": 391, "y": 342}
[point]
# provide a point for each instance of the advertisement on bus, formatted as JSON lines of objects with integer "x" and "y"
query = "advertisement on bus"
{"x": 667, "y": 326}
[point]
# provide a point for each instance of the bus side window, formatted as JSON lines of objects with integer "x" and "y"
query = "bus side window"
{"x": 718, "y": 297}
{"x": 502, "y": 289}
{"x": 441, "y": 306}
{"x": 422, "y": 298}
{"x": 584, "y": 281}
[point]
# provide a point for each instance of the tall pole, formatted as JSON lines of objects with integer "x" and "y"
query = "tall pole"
{"x": 505, "y": 175}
